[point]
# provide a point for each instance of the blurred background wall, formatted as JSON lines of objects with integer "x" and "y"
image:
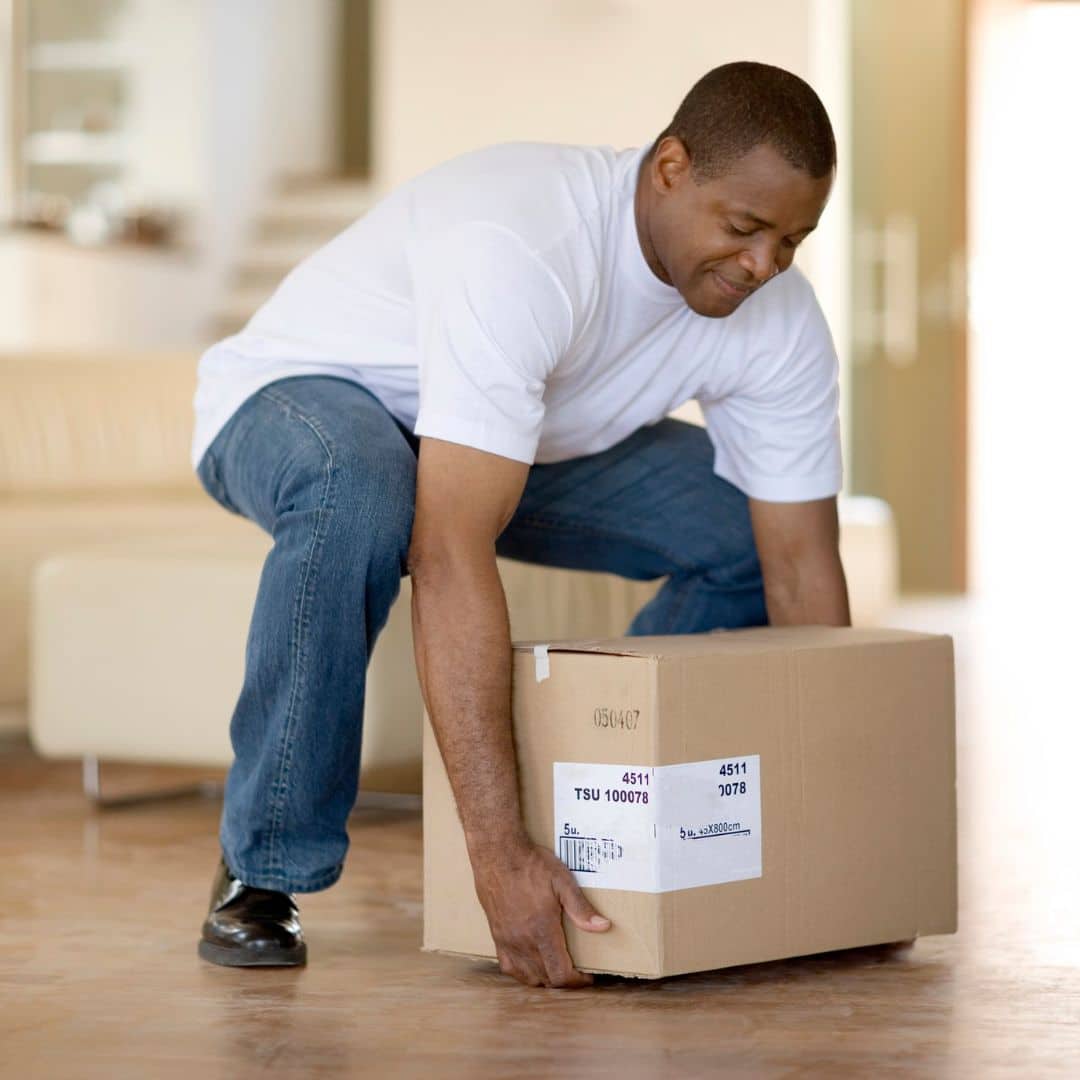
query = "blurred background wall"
{"x": 209, "y": 108}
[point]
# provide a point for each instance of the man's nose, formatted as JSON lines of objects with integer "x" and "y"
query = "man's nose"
{"x": 759, "y": 261}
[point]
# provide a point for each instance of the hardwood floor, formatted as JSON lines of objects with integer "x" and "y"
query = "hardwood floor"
{"x": 99, "y": 912}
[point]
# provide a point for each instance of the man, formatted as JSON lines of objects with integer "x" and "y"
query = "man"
{"x": 484, "y": 365}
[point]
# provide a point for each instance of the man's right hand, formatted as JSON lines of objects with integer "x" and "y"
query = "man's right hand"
{"x": 461, "y": 632}
{"x": 524, "y": 890}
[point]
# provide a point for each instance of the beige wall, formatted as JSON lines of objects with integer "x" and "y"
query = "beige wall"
{"x": 449, "y": 77}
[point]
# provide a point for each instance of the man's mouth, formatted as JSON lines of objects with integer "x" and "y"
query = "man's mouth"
{"x": 736, "y": 292}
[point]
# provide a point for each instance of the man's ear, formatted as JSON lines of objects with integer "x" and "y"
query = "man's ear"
{"x": 670, "y": 164}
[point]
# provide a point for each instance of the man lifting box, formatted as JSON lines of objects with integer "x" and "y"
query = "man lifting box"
{"x": 484, "y": 365}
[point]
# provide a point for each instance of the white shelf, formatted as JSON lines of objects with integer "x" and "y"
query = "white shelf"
{"x": 77, "y": 56}
{"x": 74, "y": 148}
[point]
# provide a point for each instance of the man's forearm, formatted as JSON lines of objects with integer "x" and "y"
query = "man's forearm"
{"x": 461, "y": 635}
{"x": 810, "y": 594}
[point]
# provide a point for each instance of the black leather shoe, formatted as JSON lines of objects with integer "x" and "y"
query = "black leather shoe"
{"x": 249, "y": 927}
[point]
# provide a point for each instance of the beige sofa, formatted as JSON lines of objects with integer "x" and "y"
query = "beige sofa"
{"x": 92, "y": 449}
{"x": 126, "y": 590}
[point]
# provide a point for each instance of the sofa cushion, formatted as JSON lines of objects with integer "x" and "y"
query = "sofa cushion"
{"x": 96, "y": 423}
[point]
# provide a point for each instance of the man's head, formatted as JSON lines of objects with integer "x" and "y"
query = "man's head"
{"x": 734, "y": 184}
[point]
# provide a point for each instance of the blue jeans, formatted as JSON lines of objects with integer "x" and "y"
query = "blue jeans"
{"x": 320, "y": 464}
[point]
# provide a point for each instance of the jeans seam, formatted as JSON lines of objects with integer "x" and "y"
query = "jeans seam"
{"x": 301, "y": 622}
{"x": 552, "y": 521}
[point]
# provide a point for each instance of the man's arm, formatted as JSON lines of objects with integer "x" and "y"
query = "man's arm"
{"x": 461, "y": 634}
{"x": 799, "y": 549}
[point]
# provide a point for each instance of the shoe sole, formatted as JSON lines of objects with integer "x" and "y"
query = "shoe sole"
{"x": 226, "y": 957}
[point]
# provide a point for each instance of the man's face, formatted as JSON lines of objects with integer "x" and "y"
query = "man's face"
{"x": 718, "y": 241}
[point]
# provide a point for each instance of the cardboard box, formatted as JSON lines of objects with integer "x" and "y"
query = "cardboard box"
{"x": 725, "y": 798}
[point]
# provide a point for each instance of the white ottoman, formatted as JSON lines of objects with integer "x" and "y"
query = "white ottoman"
{"x": 137, "y": 649}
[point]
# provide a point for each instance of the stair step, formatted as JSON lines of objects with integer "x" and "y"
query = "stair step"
{"x": 240, "y": 304}
{"x": 319, "y": 211}
{"x": 277, "y": 255}
{"x": 295, "y": 222}
{"x": 324, "y": 196}
{"x": 298, "y": 229}
{"x": 265, "y": 263}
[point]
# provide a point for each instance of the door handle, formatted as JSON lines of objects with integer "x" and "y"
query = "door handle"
{"x": 887, "y": 292}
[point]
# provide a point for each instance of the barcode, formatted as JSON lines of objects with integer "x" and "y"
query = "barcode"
{"x": 586, "y": 853}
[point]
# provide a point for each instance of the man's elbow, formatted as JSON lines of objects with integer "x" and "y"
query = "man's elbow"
{"x": 442, "y": 559}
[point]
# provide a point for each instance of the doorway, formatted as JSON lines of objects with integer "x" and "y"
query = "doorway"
{"x": 908, "y": 405}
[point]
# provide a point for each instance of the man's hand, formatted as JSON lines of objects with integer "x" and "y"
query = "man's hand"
{"x": 524, "y": 891}
{"x": 461, "y": 632}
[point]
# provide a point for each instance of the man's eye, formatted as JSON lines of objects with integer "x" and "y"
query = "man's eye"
{"x": 738, "y": 231}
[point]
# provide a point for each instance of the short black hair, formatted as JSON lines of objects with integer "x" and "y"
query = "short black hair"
{"x": 737, "y": 107}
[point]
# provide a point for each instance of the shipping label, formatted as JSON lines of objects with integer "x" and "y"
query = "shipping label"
{"x": 646, "y": 828}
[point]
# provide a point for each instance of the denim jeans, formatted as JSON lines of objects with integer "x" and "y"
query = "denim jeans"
{"x": 320, "y": 464}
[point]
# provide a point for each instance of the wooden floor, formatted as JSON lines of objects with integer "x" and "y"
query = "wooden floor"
{"x": 99, "y": 913}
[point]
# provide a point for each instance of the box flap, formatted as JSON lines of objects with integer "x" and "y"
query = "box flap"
{"x": 753, "y": 639}
{"x": 670, "y": 645}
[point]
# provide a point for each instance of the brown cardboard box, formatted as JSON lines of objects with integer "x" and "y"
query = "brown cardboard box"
{"x": 725, "y": 798}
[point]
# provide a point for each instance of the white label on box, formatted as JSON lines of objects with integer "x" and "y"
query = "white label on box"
{"x": 646, "y": 828}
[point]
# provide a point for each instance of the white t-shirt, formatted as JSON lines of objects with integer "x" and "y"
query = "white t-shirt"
{"x": 501, "y": 301}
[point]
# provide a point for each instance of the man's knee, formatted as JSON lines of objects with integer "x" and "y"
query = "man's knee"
{"x": 375, "y": 495}
{"x": 365, "y": 497}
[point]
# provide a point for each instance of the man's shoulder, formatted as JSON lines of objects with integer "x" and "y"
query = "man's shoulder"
{"x": 553, "y": 198}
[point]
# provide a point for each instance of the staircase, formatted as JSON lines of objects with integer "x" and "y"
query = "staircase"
{"x": 297, "y": 221}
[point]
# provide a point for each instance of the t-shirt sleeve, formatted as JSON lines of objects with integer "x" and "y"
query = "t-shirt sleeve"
{"x": 492, "y": 322}
{"x": 776, "y": 431}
